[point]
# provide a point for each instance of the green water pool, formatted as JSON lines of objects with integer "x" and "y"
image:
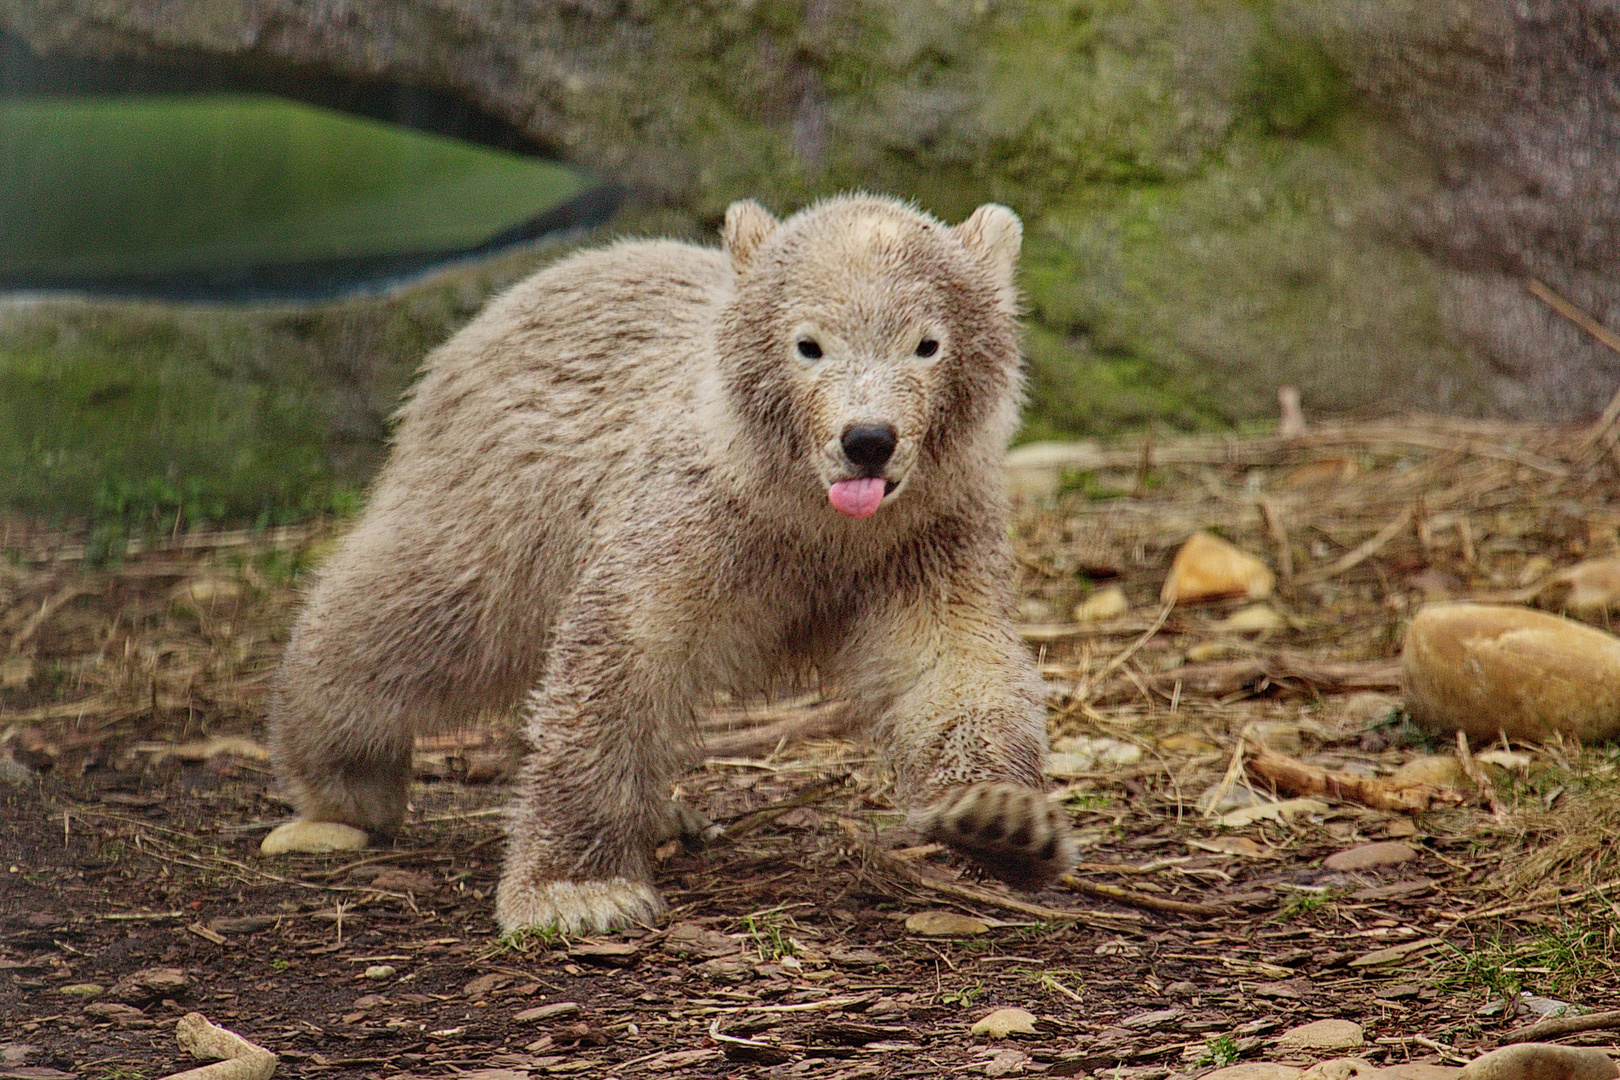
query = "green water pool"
{"x": 102, "y": 187}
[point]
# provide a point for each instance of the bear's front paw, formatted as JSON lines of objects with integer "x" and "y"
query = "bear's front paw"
{"x": 687, "y": 824}
{"x": 575, "y": 907}
{"x": 1015, "y": 832}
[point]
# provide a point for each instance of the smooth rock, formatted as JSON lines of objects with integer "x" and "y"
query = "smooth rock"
{"x": 85, "y": 991}
{"x": 1323, "y": 1035}
{"x": 944, "y": 924}
{"x": 1344, "y": 1068}
{"x": 1419, "y": 1070}
{"x": 1256, "y": 1070}
{"x": 1254, "y": 619}
{"x": 1004, "y": 1022}
{"x": 16, "y": 672}
{"x": 379, "y": 972}
{"x": 1541, "y": 1061}
{"x": 1487, "y": 670}
{"x": 1328, "y": 472}
{"x": 1587, "y": 590}
{"x": 1367, "y": 856}
{"x": 1109, "y": 603}
{"x": 312, "y": 837}
{"x": 1208, "y": 567}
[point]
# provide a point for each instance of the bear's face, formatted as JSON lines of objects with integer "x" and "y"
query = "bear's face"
{"x": 866, "y": 342}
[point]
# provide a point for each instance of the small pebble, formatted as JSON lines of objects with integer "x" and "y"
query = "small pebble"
{"x": 380, "y": 972}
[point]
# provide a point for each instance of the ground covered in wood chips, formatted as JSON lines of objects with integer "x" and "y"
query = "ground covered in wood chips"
{"x": 1203, "y": 923}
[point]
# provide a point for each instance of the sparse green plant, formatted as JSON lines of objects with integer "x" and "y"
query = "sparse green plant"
{"x": 526, "y": 940}
{"x": 1089, "y": 800}
{"x": 1304, "y": 902}
{"x": 1549, "y": 960}
{"x": 279, "y": 965}
{"x": 963, "y": 996}
{"x": 123, "y": 1072}
{"x": 770, "y": 936}
{"x": 1219, "y": 1052}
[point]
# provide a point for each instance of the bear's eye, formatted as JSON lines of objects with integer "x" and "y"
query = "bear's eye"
{"x": 927, "y": 347}
{"x": 809, "y": 349}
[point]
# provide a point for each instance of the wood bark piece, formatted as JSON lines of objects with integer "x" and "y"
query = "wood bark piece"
{"x": 1295, "y": 777}
{"x": 234, "y": 1057}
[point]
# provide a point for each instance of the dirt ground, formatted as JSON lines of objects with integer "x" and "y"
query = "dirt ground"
{"x": 131, "y": 891}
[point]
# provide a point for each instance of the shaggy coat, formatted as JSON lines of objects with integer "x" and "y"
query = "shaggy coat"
{"x": 629, "y": 484}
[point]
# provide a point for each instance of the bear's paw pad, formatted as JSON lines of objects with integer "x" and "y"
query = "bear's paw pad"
{"x": 574, "y": 908}
{"x": 313, "y": 837}
{"x": 1015, "y": 832}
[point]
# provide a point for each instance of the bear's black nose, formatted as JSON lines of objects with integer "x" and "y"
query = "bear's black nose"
{"x": 869, "y": 446}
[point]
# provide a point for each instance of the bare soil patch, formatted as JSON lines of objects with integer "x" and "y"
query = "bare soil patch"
{"x": 131, "y": 697}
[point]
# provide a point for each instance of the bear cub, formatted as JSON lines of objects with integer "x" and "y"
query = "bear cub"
{"x": 655, "y": 471}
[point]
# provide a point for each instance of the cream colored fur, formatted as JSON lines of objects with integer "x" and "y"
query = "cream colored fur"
{"x": 608, "y": 499}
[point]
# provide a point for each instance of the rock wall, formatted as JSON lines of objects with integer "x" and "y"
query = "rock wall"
{"x": 1346, "y": 195}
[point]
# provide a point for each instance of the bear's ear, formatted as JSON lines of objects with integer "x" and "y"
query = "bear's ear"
{"x": 747, "y": 225}
{"x": 993, "y": 233}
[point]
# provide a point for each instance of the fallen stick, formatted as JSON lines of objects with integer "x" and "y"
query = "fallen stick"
{"x": 1097, "y": 920}
{"x": 234, "y": 1057}
{"x": 824, "y": 720}
{"x": 1294, "y": 777}
{"x": 1563, "y": 1025}
{"x": 1141, "y": 900}
{"x": 1360, "y": 554}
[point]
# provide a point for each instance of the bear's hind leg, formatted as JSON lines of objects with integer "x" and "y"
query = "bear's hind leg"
{"x": 608, "y": 729}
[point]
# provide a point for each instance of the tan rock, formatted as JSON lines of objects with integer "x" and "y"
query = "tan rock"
{"x": 16, "y": 672}
{"x": 312, "y": 837}
{"x": 1109, "y": 603}
{"x": 1587, "y": 590}
{"x": 1323, "y": 1035}
{"x": 1486, "y": 669}
{"x": 1004, "y": 1022}
{"x": 1343, "y": 1068}
{"x": 1256, "y": 1070}
{"x": 1328, "y": 472}
{"x": 1419, "y": 1070}
{"x": 1285, "y": 810}
{"x": 1207, "y": 567}
{"x": 1254, "y": 619}
{"x": 1367, "y": 856}
{"x": 1541, "y": 1061}
{"x": 944, "y": 924}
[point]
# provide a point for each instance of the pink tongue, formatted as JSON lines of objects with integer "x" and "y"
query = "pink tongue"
{"x": 857, "y": 498}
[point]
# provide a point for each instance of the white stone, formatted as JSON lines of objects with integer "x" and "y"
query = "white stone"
{"x": 312, "y": 837}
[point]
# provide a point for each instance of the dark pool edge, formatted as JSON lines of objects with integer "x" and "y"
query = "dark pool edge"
{"x": 321, "y": 280}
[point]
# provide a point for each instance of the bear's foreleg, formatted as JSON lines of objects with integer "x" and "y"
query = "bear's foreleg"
{"x": 608, "y": 728}
{"x": 963, "y": 720}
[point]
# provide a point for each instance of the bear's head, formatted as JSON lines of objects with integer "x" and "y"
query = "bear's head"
{"x": 869, "y": 350}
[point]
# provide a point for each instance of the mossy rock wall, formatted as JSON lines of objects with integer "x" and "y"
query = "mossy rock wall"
{"x": 1219, "y": 198}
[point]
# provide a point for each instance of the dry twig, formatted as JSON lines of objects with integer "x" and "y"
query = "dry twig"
{"x": 1563, "y": 1025}
{"x": 1297, "y": 778}
{"x": 1097, "y": 920}
{"x": 1141, "y": 900}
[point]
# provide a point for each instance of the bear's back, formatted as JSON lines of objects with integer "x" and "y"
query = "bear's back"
{"x": 591, "y": 348}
